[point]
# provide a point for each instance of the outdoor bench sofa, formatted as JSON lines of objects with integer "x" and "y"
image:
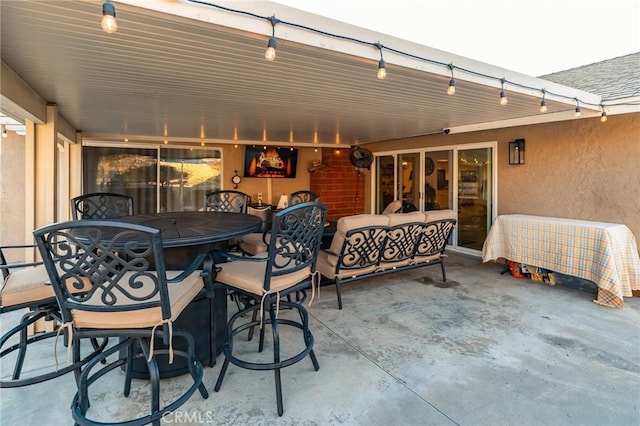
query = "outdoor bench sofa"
{"x": 368, "y": 245}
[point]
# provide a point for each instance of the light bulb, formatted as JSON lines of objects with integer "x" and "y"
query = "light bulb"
{"x": 543, "y": 106}
{"x": 382, "y": 69}
{"x": 451, "y": 90}
{"x": 270, "y": 53}
{"x": 109, "y": 23}
{"x": 578, "y": 111}
{"x": 603, "y": 117}
{"x": 503, "y": 98}
{"x": 4, "y": 133}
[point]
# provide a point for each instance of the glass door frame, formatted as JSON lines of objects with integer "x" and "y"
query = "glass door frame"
{"x": 158, "y": 148}
{"x": 453, "y": 180}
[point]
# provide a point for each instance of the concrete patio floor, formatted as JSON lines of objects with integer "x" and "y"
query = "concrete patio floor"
{"x": 407, "y": 349}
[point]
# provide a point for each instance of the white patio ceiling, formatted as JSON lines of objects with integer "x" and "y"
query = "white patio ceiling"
{"x": 186, "y": 72}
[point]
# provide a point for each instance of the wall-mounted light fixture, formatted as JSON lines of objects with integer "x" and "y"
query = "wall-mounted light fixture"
{"x": 516, "y": 152}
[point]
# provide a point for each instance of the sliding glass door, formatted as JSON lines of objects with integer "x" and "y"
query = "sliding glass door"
{"x": 475, "y": 184}
{"x": 409, "y": 181}
{"x": 460, "y": 178}
{"x": 158, "y": 179}
{"x": 385, "y": 181}
{"x": 438, "y": 194}
{"x": 186, "y": 175}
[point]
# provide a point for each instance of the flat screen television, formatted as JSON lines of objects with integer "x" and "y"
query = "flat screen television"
{"x": 270, "y": 161}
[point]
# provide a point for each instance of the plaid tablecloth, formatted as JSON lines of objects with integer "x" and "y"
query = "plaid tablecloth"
{"x": 605, "y": 253}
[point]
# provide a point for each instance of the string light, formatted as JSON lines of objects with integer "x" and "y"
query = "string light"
{"x": 503, "y": 94}
{"x": 109, "y": 24}
{"x": 4, "y": 132}
{"x": 543, "y": 103}
{"x": 578, "y": 109}
{"x": 382, "y": 66}
{"x": 272, "y": 44}
{"x": 270, "y": 53}
{"x": 603, "y": 116}
{"x": 451, "y": 90}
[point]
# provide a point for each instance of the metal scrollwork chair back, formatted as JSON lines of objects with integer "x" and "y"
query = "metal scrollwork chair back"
{"x": 24, "y": 286}
{"x": 226, "y": 201}
{"x": 268, "y": 281}
{"x": 127, "y": 295}
{"x": 101, "y": 205}
{"x": 303, "y": 196}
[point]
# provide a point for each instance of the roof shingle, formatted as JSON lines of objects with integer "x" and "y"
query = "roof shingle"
{"x": 612, "y": 79}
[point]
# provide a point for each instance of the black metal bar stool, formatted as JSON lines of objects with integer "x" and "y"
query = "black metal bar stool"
{"x": 289, "y": 267}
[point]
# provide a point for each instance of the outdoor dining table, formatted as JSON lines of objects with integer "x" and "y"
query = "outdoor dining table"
{"x": 185, "y": 235}
{"x": 602, "y": 252}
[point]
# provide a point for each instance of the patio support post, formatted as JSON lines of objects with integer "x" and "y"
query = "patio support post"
{"x": 45, "y": 165}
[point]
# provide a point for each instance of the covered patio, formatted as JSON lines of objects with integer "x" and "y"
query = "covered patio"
{"x": 192, "y": 74}
{"x": 481, "y": 349}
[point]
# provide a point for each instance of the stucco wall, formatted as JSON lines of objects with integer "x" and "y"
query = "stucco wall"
{"x": 581, "y": 169}
{"x": 234, "y": 160}
{"x": 12, "y": 195}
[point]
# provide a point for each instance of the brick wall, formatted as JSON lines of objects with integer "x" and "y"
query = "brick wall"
{"x": 339, "y": 184}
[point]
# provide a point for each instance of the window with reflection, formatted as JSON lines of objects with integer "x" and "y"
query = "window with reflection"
{"x": 158, "y": 179}
{"x": 186, "y": 175}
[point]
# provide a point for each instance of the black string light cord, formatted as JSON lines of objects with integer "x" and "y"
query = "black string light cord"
{"x": 377, "y": 45}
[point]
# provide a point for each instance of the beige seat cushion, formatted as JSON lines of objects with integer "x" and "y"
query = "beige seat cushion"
{"x": 432, "y": 215}
{"x": 387, "y": 266}
{"x": 327, "y": 269}
{"x": 427, "y": 259}
{"x": 401, "y": 218}
{"x": 249, "y": 276}
{"x": 252, "y": 243}
{"x": 393, "y": 207}
{"x": 180, "y": 295}
{"x": 26, "y": 285}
